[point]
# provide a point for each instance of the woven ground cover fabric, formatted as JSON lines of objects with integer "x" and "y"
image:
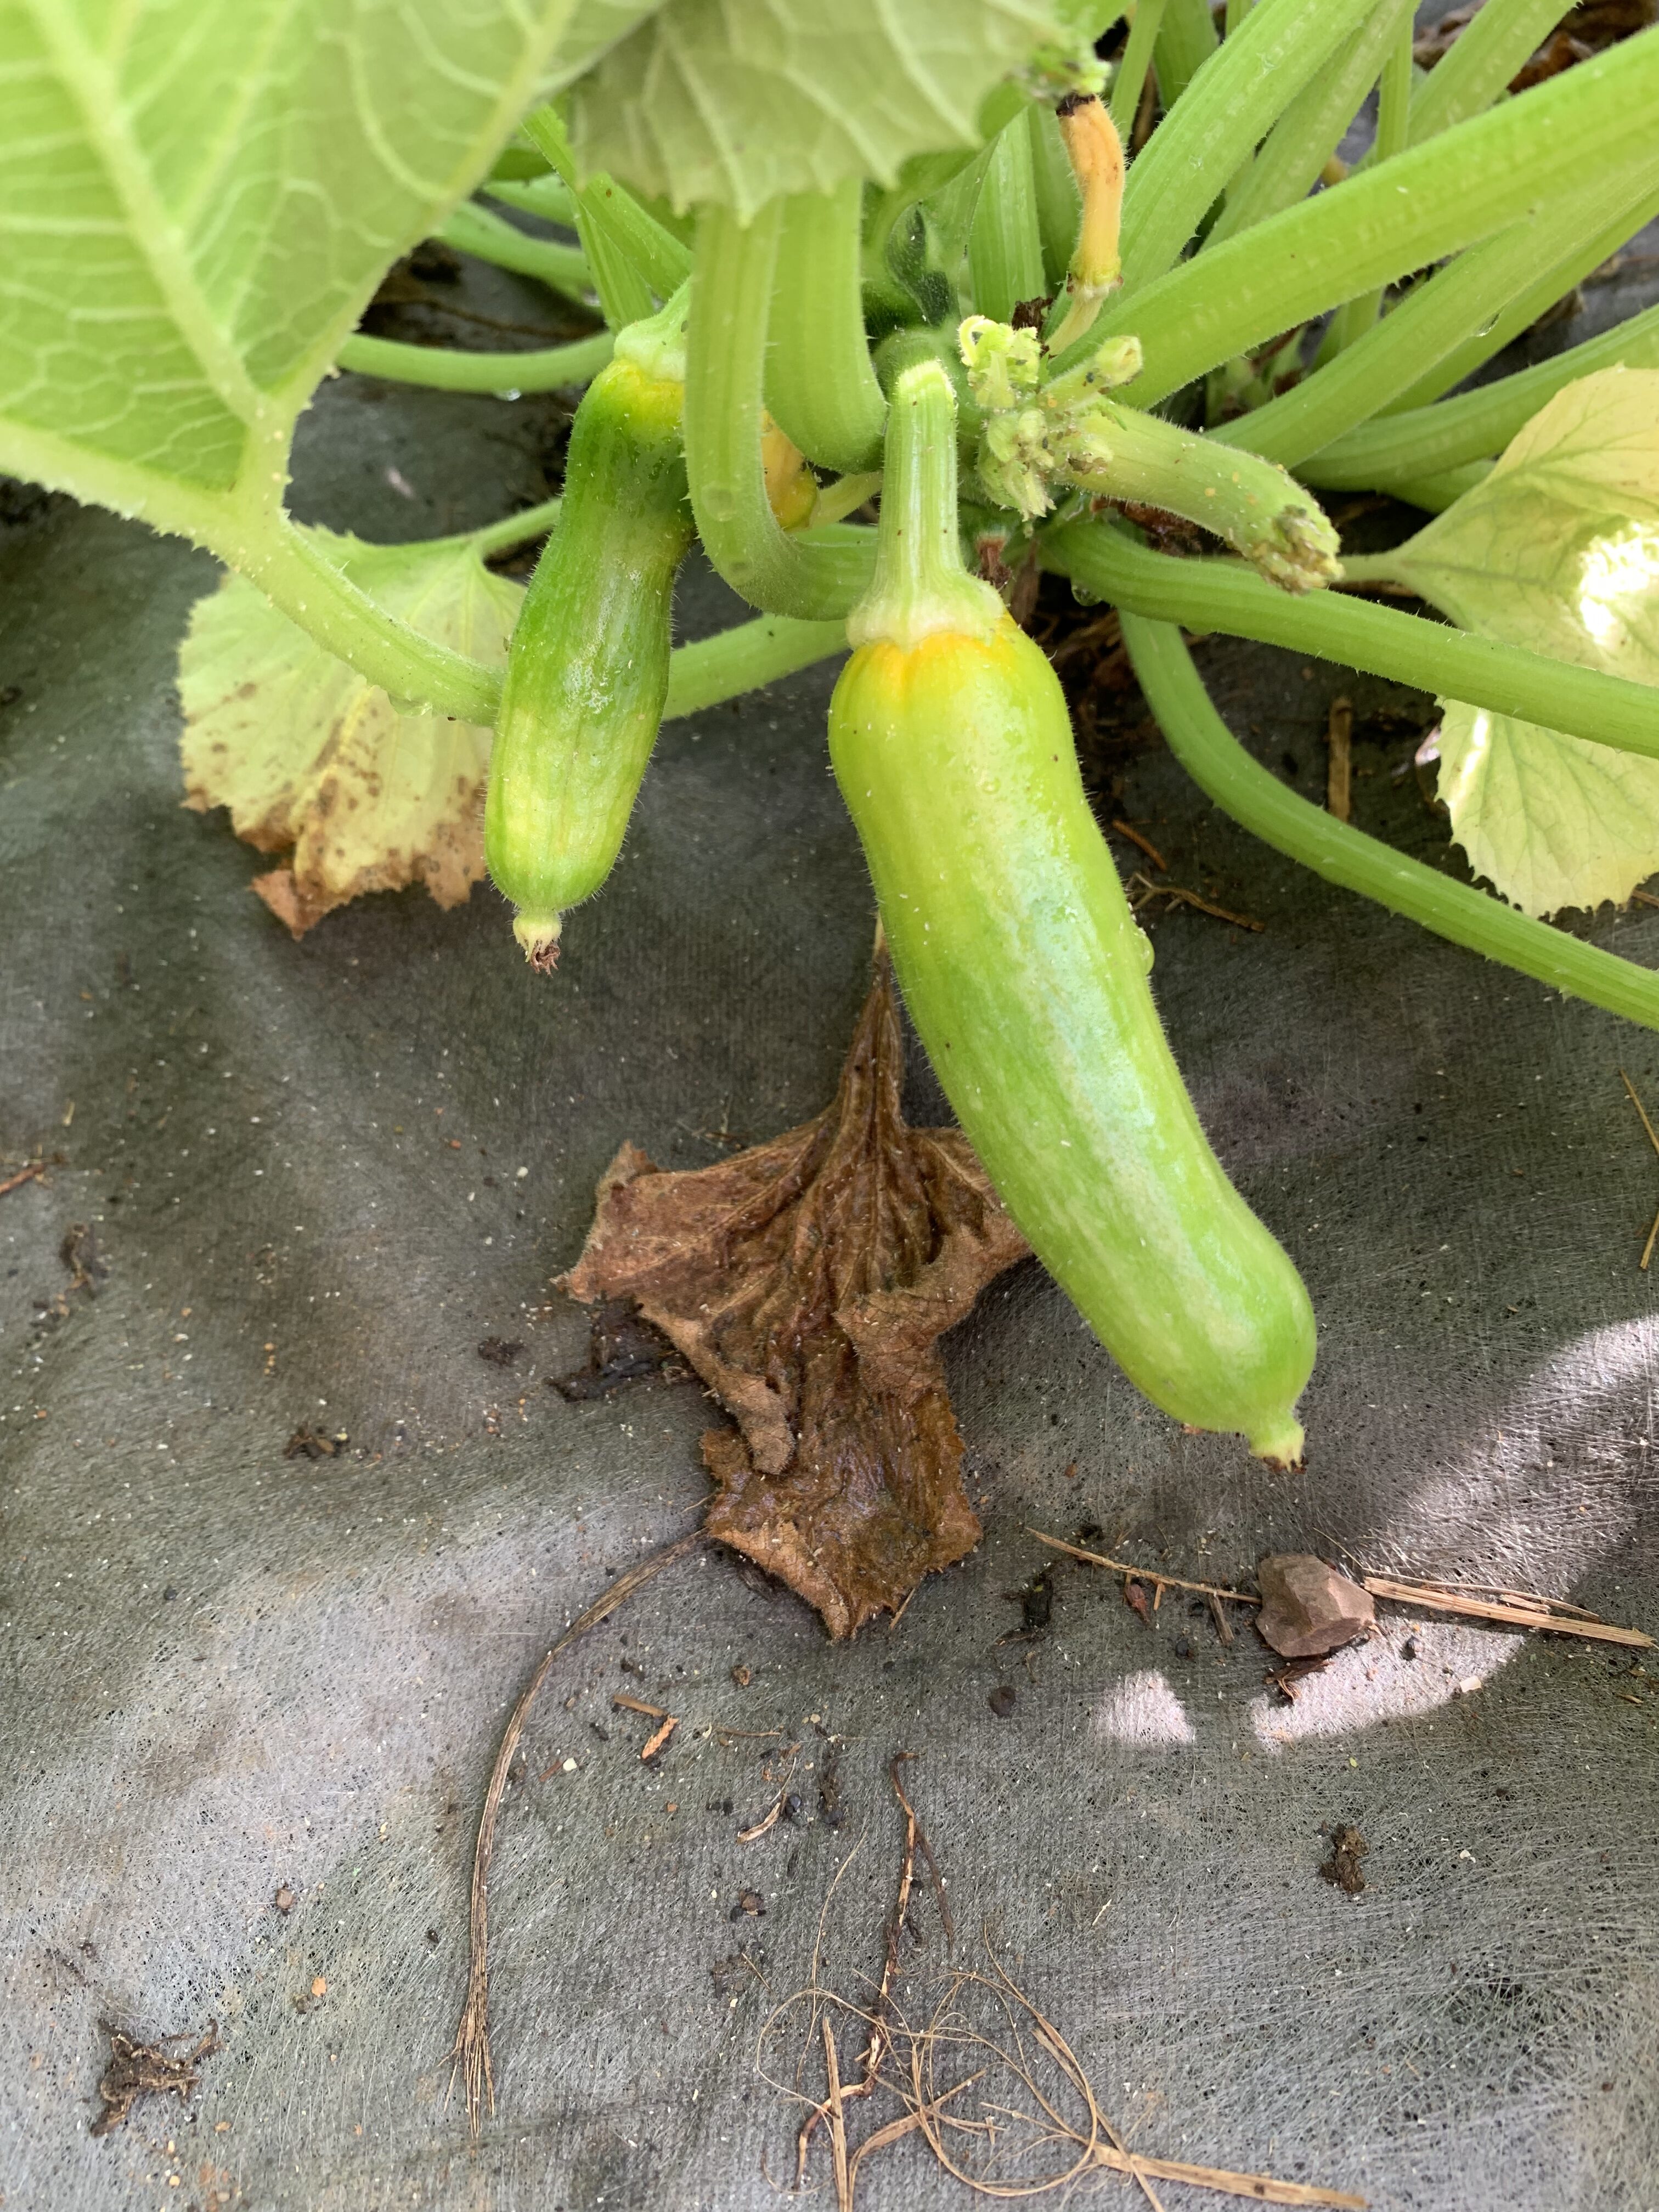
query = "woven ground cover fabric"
{"x": 296, "y": 1174}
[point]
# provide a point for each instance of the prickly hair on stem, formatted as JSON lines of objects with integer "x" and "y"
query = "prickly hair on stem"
{"x": 920, "y": 586}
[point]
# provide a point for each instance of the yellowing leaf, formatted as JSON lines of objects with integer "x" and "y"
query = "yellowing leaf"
{"x": 708, "y": 101}
{"x": 1558, "y": 550}
{"x": 316, "y": 763}
{"x": 1552, "y": 821}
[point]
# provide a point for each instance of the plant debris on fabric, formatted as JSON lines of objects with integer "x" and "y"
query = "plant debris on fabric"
{"x": 147, "y": 2070}
{"x": 808, "y": 1281}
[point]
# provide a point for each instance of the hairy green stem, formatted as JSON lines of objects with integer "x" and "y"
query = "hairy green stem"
{"x": 1394, "y": 102}
{"x": 1383, "y": 223}
{"x": 1219, "y": 595}
{"x": 1256, "y": 799}
{"x": 635, "y": 262}
{"x": 548, "y": 369}
{"x": 547, "y": 196}
{"x": 1131, "y": 79}
{"x": 920, "y": 587}
{"x": 1427, "y": 327}
{"x": 1391, "y": 449}
{"x": 1439, "y": 491}
{"x": 291, "y": 568}
{"x": 1489, "y": 52}
{"x": 1310, "y": 130}
{"x": 820, "y": 387}
{"x": 1058, "y": 205}
{"x": 742, "y": 659}
{"x": 473, "y": 229}
{"x": 816, "y": 575}
{"x": 1235, "y": 98}
{"x": 1257, "y": 507}
{"x": 1187, "y": 37}
{"x": 513, "y": 529}
{"x": 1005, "y": 243}
{"x": 1595, "y": 242}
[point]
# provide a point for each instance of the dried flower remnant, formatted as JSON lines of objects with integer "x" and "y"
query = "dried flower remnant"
{"x": 808, "y": 1281}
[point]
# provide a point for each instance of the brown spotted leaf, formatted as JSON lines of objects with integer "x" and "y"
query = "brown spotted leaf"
{"x": 319, "y": 765}
{"x": 808, "y": 1281}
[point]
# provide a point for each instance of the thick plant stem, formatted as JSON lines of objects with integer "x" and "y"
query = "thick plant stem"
{"x": 1131, "y": 79}
{"x": 1256, "y": 799}
{"x": 1187, "y": 37}
{"x": 816, "y": 575}
{"x": 1383, "y": 223}
{"x": 1257, "y": 508}
{"x": 635, "y": 261}
{"x": 548, "y": 196}
{"x": 1310, "y": 130}
{"x": 475, "y": 230}
{"x": 291, "y": 568}
{"x": 1057, "y": 204}
{"x": 921, "y": 588}
{"x": 1552, "y": 281}
{"x": 820, "y": 385}
{"x": 1393, "y": 102}
{"x": 1215, "y": 595}
{"x": 1237, "y": 97}
{"x": 1440, "y": 490}
{"x": 548, "y": 369}
{"x": 1391, "y": 450}
{"x": 1428, "y": 327}
{"x": 742, "y": 659}
{"x": 1005, "y": 243}
{"x": 1489, "y": 52}
{"x": 513, "y": 529}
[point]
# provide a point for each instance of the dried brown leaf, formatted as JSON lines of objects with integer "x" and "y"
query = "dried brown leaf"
{"x": 808, "y": 1281}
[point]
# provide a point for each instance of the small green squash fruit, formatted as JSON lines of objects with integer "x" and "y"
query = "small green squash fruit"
{"x": 587, "y": 670}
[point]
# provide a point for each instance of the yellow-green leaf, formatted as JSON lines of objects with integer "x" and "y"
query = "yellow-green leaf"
{"x": 708, "y": 101}
{"x": 320, "y": 766}
{"x": 1557, "y": 550}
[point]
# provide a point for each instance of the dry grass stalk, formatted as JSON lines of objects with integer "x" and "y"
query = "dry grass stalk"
{"x": 1142, "y": 889}
{"x": 1646, "y": 1260}
{"x": 1261, "y": 2188}
{"x": 906, "y": 2125}
{"x": 769, "y": 1819}
{"x": 1541, "y": 1614}
{"x": 1046, "y": 2112}
{"x": 1148, "y": 1575}
{"x": 1653, "y": 1135}
{"x": 623, "y": 1703}
{"x": 1128, "y": 830}
{"x": 880, "y": 2039}
{"x": 837, "y": 2121}
{"x": 1338, "y": 736}
{"x": 470, "y": 2054}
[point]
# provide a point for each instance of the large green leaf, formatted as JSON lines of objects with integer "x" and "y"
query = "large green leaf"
{"x": 710, "y": 101}
{"x": 1557, "y": 550}
{"x": 196, "y": 198}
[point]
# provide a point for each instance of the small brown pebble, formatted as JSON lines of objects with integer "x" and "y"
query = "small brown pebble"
{"x": 1309, "y": 1610}
{"x": 742, "y": 1676}
{"x": 749, "y": 1901}
{"x": 1001, "y": 1700}
{"x": 284, "y": 1899}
